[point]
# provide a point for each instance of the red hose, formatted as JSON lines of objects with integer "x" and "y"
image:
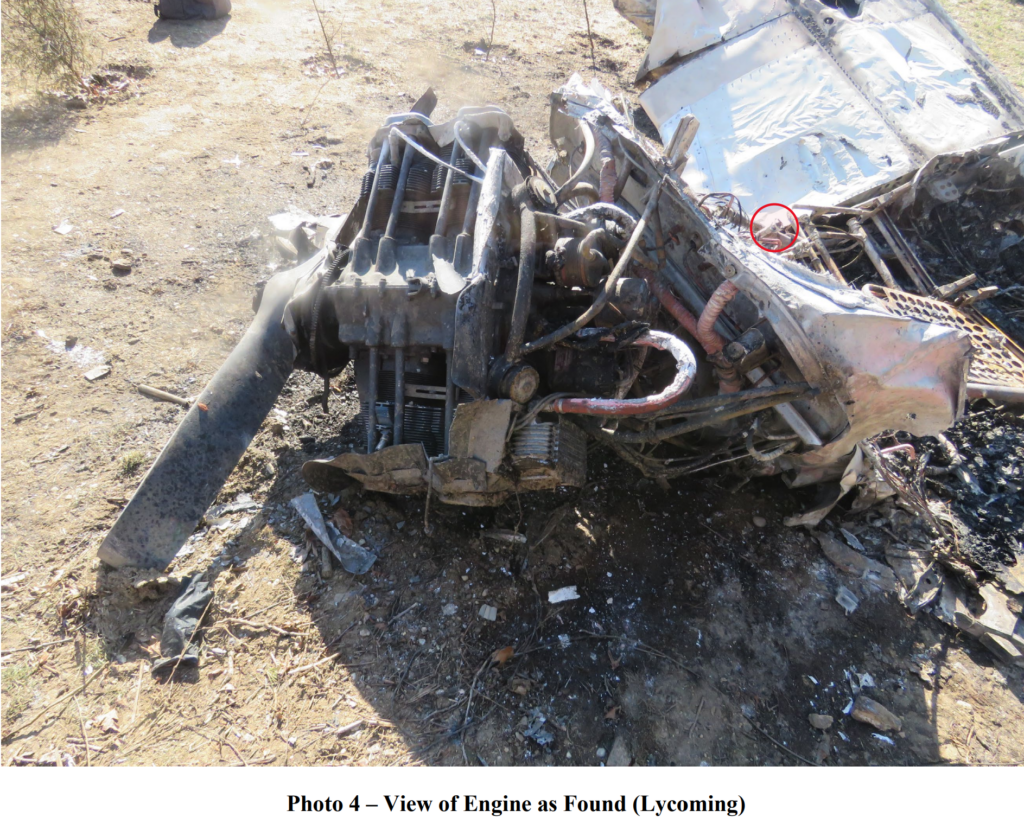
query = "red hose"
{"x": 703, "y": 329}
{"x": 669, "y": 301}
{"x": 711, "y": 340}
{"x": 686, "y": 369}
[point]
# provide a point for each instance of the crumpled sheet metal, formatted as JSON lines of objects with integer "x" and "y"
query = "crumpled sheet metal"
{"x": 401, "y": 469}
{"x": 353, "y": 557}
{"x": 884, "y": 371}
{"x": 876, "y": 370}
{"x": 812, "y": 107}
{"x": 682, "y": 27}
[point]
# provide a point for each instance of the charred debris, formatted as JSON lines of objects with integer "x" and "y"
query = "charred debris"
{"x": 500, "y": 315}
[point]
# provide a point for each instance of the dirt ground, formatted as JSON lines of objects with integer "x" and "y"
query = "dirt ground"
{"x": 706, "y": 631}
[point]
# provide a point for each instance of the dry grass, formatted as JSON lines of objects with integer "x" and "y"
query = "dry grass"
{"x": 997, "y": 26}
{"x": 43, "y": 40}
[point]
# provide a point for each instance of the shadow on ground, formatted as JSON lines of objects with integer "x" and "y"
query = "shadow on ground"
{"x": 699, "y": 636}
{"x": 187, "y": 34}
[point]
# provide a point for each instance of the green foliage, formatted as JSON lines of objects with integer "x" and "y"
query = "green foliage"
{"x": 130, "y": 463}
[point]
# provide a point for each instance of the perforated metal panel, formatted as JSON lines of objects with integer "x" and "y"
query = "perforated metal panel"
{"x": 996, "y": 359}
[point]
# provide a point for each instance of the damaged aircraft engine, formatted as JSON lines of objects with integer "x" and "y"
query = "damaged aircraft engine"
{"x": 498, "y": 316}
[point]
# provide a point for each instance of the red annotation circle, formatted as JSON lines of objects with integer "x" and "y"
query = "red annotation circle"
{"x": 796, "y": 222}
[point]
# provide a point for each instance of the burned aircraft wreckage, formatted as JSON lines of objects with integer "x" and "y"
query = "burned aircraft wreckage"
{"x": 498, "y": 316}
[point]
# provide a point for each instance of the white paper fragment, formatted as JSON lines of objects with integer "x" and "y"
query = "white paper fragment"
{"x": 563, "y": 594}
{"x": 846, "y": 598}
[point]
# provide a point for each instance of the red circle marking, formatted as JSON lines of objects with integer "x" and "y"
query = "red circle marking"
{"x": 795, "y": 221}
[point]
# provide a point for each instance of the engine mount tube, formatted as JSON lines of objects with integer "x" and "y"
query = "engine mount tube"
{"x": 686, "y": 370}
{"x": 608, "y": 175}
{"x": 193, "y": 466}
{"x": 589, "y": 145}
{"x": 524, "y": 285}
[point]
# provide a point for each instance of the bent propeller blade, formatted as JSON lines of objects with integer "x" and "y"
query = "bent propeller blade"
{"x": 193, "y": 466}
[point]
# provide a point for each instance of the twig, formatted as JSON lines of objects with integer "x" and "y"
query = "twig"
{"x": 327, "y": 659}
{"x": 406, "y": 611}
{"x": 696, "y": 720}
{"x": 219, "y": 743}
{"x": 238, "y": 754}
{"x": 469, "y": 703}
{"x": 85, "y": 738}
{"x": 282, "y": 631}
{"x": 405, "y": 674}
{"x": 259, "y": 762}
{"x": 138, "y": 688}
{"x": 782, "y": 746}
{"x": 309, "y": 109}
{"x": 327, "y": 40}
{"x": 36, "y": 647}
{"x": 62, "y": 699}
{"x": 161, "y": 395}
{"x": 494, "y": 19}
{"x": 355, "y": 726}
{"x": 590, "y": 36}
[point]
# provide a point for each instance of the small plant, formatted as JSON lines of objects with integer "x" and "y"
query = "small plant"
{"x": 130, "y": 463}
{"x": 18, "y": 690}
{"x": 43, "y": 39}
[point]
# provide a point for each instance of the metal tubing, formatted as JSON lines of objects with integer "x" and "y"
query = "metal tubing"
{"x": 720, "y": 298}
{"x": 699, "y": 421}
{"x": 399, "y": 432}
{"x": 686, "y": 370}
{"x": 904, "y": 253}
{"x": 608, "y": 177}
{"x": 697, "y": 405}
{"x": 524, "y": 285}
{"x": 396, "y": 206}
{"x": 609, "y": 286}
{"x": 869, "y": 248}
{"x": 442, "y": 214}
{"x": 449, "y": 397}
{"x": 787, "y": 411}
{"x": 815, "y": 237}
{"x": 371, "y": 201}
{"x": 1006, "y": 394}
{"x": 371, "y": 413}
{"x": 589, "y": 144}
{"x": 669, "y": 302}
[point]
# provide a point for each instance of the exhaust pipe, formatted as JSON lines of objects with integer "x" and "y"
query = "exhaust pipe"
{"x": 190, "y": 471}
